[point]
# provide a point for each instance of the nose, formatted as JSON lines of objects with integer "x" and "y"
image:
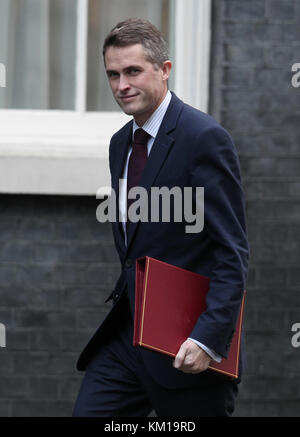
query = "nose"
{"x": 123, "y": 83}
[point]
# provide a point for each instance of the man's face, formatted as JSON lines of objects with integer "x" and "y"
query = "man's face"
{"x": 137, "y": 85}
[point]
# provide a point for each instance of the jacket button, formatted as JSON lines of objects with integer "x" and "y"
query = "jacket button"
{"x": 116, "y": 296}
{"x": 128, "y": 263}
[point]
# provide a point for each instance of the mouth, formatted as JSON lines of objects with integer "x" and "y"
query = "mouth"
{"x": 128, "y": 98}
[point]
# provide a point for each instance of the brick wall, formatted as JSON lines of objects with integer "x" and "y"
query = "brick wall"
{"x": 57, "y": 265}
{"x": 256, "y": 44}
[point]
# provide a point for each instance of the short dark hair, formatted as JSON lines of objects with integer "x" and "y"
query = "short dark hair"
{"x": 138, "y": 31}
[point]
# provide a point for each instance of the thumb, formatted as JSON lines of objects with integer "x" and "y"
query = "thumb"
{"x": 179, "y": 359}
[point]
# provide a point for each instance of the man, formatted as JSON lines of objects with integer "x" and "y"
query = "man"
{"x": 183, "y": 147}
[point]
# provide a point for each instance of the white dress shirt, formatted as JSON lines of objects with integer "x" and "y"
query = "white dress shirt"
{"x": 151, "y": 126}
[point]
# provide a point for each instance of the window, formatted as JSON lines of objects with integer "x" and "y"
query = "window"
{"x": 38, "y": 47}
{"x": 57, "y": 113}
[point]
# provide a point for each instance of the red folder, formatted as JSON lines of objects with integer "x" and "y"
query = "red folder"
{"x": 168, "y": 302}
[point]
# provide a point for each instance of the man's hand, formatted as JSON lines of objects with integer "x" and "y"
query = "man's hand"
{"x": 191, "y": 358}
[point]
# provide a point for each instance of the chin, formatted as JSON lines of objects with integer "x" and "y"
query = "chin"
{"x": 130, "y": 111}
{"x": 125, "y": 109}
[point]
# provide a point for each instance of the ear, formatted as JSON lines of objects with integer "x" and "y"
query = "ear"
{"x": 166, "y": 69}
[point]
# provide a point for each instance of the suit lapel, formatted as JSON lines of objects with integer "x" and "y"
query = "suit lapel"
{"x": 121, "y": 149}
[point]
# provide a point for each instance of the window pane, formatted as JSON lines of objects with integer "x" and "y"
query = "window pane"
{"x": 103, "y": 16}
{"x": 38, "y": 47}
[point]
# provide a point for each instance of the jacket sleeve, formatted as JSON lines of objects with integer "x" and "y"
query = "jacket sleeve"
{"x": 217, "y": 164}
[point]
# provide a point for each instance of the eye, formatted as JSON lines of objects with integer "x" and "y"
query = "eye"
{"x": 112, "y": 74}
{"x": 134, "y": 71}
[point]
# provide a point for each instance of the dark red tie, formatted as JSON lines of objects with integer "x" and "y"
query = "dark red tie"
{"x": 137, "y": 161}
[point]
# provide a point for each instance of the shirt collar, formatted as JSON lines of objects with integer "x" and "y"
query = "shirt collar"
{"x": 152, "y": 125}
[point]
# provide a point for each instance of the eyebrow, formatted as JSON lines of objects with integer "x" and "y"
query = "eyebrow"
{"x": 130, "y": 67}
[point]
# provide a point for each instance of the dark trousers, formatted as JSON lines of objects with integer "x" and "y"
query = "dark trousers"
{"x": 116, "y": 384}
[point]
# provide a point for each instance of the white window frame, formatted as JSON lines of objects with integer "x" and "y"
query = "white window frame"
{"x": 66, "y": 152}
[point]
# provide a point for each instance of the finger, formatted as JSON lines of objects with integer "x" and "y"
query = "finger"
{"x": 189, "y": 364}
{"x": 179, "y": 359}
{"x": 194, "y": 363}
{"x": 192, "y": 369}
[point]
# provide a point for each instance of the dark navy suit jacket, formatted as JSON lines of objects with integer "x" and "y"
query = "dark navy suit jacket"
{"x": 190, "y": 150}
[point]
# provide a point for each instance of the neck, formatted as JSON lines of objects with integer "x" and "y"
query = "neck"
{"x": 141, "y": 120}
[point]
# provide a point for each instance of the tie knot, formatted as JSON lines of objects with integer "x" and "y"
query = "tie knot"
{"x": 140, "y": 137}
